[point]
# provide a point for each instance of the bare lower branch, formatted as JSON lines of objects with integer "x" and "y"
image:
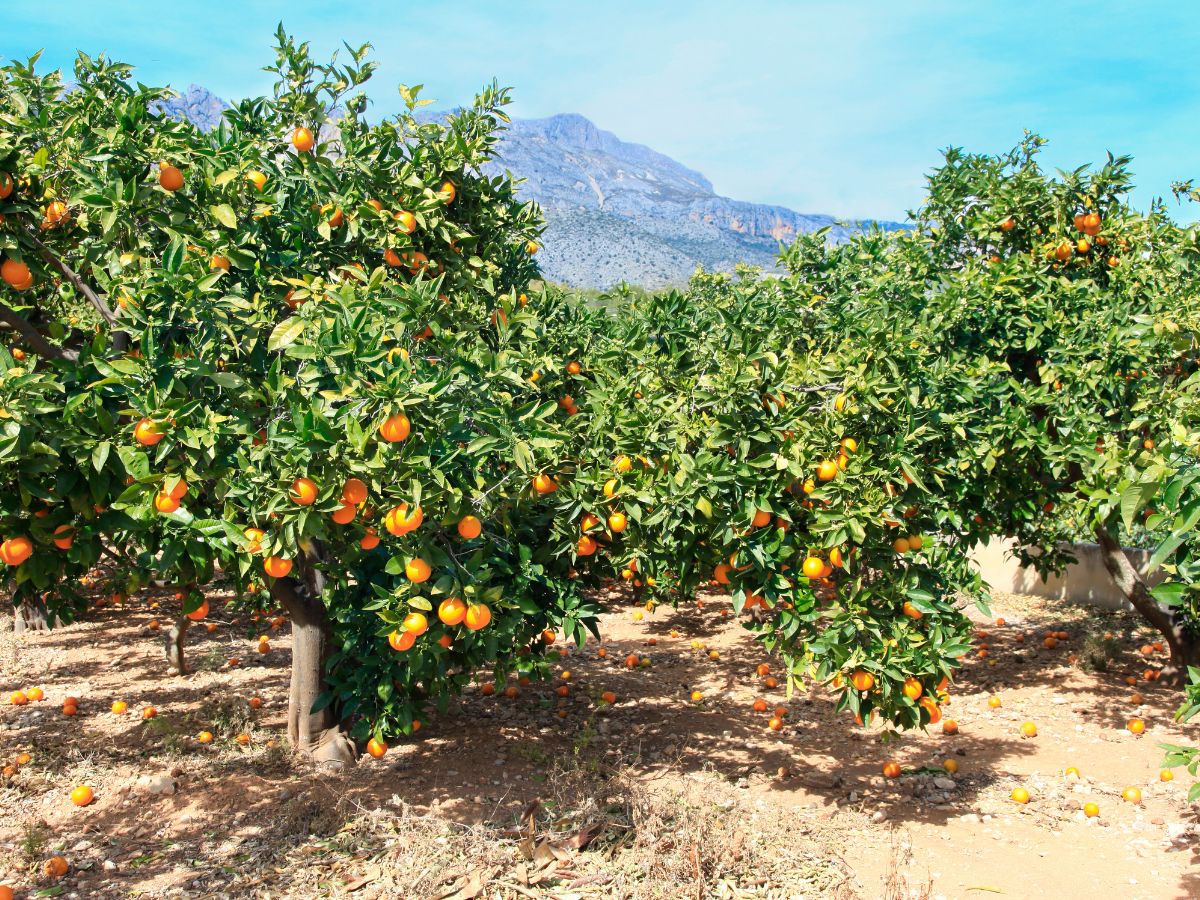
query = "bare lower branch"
{"x": 34, "y": 338}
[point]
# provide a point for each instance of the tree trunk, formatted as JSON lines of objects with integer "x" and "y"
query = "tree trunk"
{"x": 314, "y": 734}
{"x": 1185, "y": 649}
{"x": 174, "y": 643}
{"x": 30, "y": 616}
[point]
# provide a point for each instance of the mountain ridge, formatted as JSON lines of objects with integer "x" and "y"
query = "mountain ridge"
{"x": 616, "y": 210}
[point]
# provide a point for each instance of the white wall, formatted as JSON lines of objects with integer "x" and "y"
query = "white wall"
{"x": 1087, "y": 581}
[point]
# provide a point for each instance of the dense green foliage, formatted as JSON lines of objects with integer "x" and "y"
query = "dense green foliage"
{"x": 265, "y": 304}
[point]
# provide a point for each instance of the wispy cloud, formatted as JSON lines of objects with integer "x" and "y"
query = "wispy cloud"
{"x": 823, "y": 106}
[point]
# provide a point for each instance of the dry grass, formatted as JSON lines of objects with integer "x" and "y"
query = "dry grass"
{"x": 608, "y": 836}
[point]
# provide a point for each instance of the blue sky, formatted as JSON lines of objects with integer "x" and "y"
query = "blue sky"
{"x": 834, "y": 107}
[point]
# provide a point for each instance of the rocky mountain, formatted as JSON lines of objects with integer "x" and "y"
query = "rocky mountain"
{"x": 617, "y": 211}
{"x": 620, "y": 211}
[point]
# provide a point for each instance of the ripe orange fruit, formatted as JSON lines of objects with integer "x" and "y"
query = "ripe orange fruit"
{"x": 354, "y": 491}
{"x": 204, "y": 737}
{"x": 243, "y": 739}
{"x": 417, "y": 570}
{"x": 1166, "y": 775}
{"x": 370, "y": 540}
{"x": 400, "y": 521}
{"x": 949, "y": 726}
{"x": 573, "y": 368}
{"x": 170, "y": 177}
{"x": 395, "y": 428}
{"x": 900, "y": 545}
{"x": 64, "y": 537}
{"x": 478, "y": 616}
{"x": 617, "y": 522}
{"x": 376, "y": 748}
{"x": 304, "y": 492}
{"x": 469, "y": 527}
{"x": 217, "y": 261}
{"x": 302, "y": 140}
{"x": 1131, "y": 795}
{"x": 415, "y": 623}
{"x": 56, "y": 212}
{"x": 256, "y": 702}
{"x": 760, "y": 705}
{"x": 544, "y": 484}
{"x": 452, "y": 611}
{"x": 82, "y": 795}
{"x": 344, "y": 514}
{"x": 401, "y": 641}
{"x": 912, "y": 688}
{"x": 55, "y": 867}
{"x": 15, "y": 273}
{"x": 862, "y": 680}
{"x": 35, "y": 694}
{"x": 147, "y": 432}
{"x": 199, "y": 612}
{"x": 911, "y": 611}
{"x": 1135, "y": 726}
{"x": 631, "y": 661}
{"x": 277, "y": 566}
{"x": 891, "y": 769}
{"x": 761, "y": 518}
{"x": 827, "y": 470}
{"x": 994, "y": 702}
{"x": 448, "y": 191}
{"x": 165, "y": 503}
{"x": 256, "y": 178}
{"x": 18, "y": 698}
{"x": 1091, "y": 810}
{"x": 119, "y": 707}
{"x": 812, "y": 567}
{"x": 487, "y": 689}
{"x": 586, "y": 546}
{"x": 254, "y": 536}
{"x": 1028, "y": 729}
{"x": 406, "y": 221}
{"x": 1019, "y": 795}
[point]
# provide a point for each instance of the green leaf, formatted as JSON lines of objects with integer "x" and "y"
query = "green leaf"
{"x": 285, "y": 334}
{"x": 100, "y": 455}
{"x": 224, "y": 214}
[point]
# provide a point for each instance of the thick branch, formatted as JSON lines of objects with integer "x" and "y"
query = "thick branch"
{"x": 1168, "y": 621}
{"x": 34, "y": 338}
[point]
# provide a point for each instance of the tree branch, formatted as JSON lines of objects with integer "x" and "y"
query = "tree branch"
{"x": 79, "y": 284}
{"x": 34, "y": 338}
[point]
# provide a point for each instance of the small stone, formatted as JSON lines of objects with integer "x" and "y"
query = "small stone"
{"x": 944, "y": 784}
{"x": 110, "y": 866}
{"x": 879, "y": 816}
{"x": 155, "y": 784}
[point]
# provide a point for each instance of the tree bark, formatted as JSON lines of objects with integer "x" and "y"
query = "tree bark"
{"x": 1185, "y": 648}
{"x": 175, "y": 637}
{"x": 30, "y": 616}
{"x": 314, "y": 734}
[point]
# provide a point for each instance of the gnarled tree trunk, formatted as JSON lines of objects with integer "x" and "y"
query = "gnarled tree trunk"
{"x": 1185, "y": 649}
{"x": 30, "y": 615}
{"x": 315, "y": 734}
{"x": 175, "y": 637}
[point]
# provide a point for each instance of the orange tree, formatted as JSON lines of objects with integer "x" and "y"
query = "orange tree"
{"x": 723, "y": 452}
{"x": 300, "y": 351}
{"x": 1042, "y": 336}
{"x": 271, "y": 349}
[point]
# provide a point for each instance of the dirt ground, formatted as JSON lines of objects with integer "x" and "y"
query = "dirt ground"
{"x": 656, "y": 796}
